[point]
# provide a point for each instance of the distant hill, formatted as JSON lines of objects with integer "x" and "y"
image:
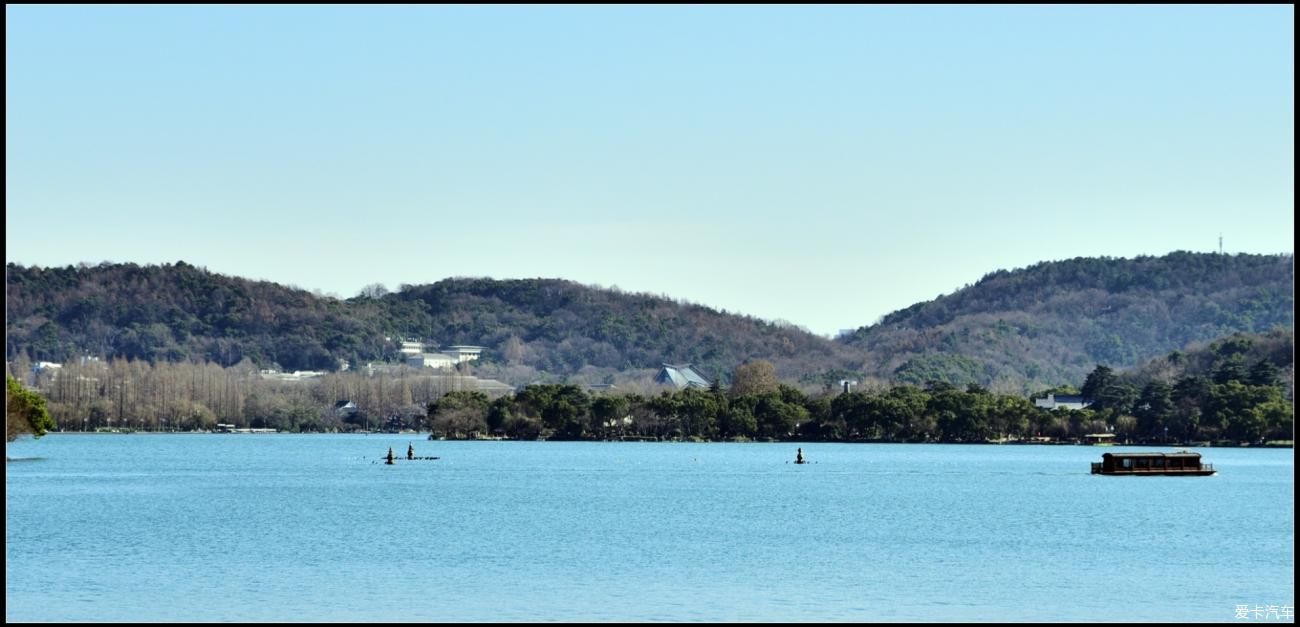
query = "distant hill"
{"x": 562, "y": 326}
{"x": 1015, "y": 331}
{"x": 178, "y": 312}
{"x": 1053, "y": 322}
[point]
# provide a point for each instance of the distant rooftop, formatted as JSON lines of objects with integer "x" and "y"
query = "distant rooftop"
{"x": 681, "y": 376}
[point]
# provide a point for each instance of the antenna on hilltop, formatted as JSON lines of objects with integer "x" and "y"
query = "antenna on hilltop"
{"x": 1220, "y": 243}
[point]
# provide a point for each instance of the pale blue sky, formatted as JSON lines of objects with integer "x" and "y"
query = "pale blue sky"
{"x": 822, "y": 165}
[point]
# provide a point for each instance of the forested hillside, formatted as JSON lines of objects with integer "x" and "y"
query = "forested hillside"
{"x": 1054, "y": 322}
{"x": 1013, "y": 331}
{"x": 181, "y": 312}
{"x": 1240, "y": 388}
{"x": 561, "y": 326}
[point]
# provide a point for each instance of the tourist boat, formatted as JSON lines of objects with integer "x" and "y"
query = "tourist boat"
{"x": 1144, "y": 464}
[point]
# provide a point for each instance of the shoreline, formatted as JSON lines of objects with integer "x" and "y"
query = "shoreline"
{"x": 424, "y": 436}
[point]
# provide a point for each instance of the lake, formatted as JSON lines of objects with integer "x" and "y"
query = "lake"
{"x": 279, "y": 527}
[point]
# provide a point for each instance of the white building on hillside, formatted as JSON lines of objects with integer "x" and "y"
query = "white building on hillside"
{"x": 1061, "y": 401}
{"x": 463, "y": 353}
{"x": 445, "y": 358}
{"x": 431, "y": 360}
{"x": 42, "y": 366}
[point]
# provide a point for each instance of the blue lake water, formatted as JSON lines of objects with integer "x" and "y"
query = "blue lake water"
{"x": 250, "y": 527}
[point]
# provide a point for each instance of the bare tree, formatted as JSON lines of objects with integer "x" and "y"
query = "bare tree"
{"x": 374, "y": 291}
{"x": 754, "y": 377}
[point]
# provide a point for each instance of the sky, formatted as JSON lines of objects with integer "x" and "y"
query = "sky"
{"x": 822, "y": 166}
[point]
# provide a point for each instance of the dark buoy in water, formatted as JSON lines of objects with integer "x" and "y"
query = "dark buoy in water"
{"x": 798, "y": 459}
{"x": 390, "y": 456}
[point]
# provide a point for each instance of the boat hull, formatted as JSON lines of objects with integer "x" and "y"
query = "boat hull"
{"x": 1153, "y": 473}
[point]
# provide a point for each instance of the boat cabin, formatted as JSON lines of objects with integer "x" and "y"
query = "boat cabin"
{"x": 1180, "y": 463}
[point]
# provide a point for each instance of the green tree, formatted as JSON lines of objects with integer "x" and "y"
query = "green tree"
{"x": 1154, "y": 409}
{"x": 777, "y": 418}
{"x": 1189, "y": 395}
{"x": 1121, "y": 397}
{"x": 1263, "y": 373}
{"x": 1232, "y": 408}
{"x": 608, "y": 412}
{"x": 738, "y": 420}
{"x": 1278, "y": 416}
{"x": 498, "y": 414}
{"x": 854, "y": 410}
{"x": 910, "y": 419}
{"x": 1098, "y": 380}
{"x": 563, "y": 409}
{"x": 961, "y": 416}
{"x": 459, "y": 413}
{"x": 1232, "y": 369}
{"x": 819, "y": 425}
{"x": 699, "y": 411}
{"x": 1011, "y": 416}
{"x": 25, "y": 411}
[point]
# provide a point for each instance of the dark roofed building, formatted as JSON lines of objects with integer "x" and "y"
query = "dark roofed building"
{"x": 680, "y": 377}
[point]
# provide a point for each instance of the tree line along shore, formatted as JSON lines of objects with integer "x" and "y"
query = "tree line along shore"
{"x": 1234, "y": 397}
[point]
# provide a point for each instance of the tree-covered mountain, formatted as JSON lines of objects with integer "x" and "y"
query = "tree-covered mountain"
{"x": 562, "y": 326}
{"x": 181, "y": 312}
{"x": 1053, "y": 322}
{"x": 1013, "y": 331}
{"x": 177, "y": 312}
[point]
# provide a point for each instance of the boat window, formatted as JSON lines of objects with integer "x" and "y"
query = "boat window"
{"x": 1128, "y": 463}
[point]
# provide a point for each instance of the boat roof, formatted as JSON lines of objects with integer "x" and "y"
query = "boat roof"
{"x": 1178, "y": 454}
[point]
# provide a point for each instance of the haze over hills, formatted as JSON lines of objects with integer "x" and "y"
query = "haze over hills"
{"x": 1037, "y": 327}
